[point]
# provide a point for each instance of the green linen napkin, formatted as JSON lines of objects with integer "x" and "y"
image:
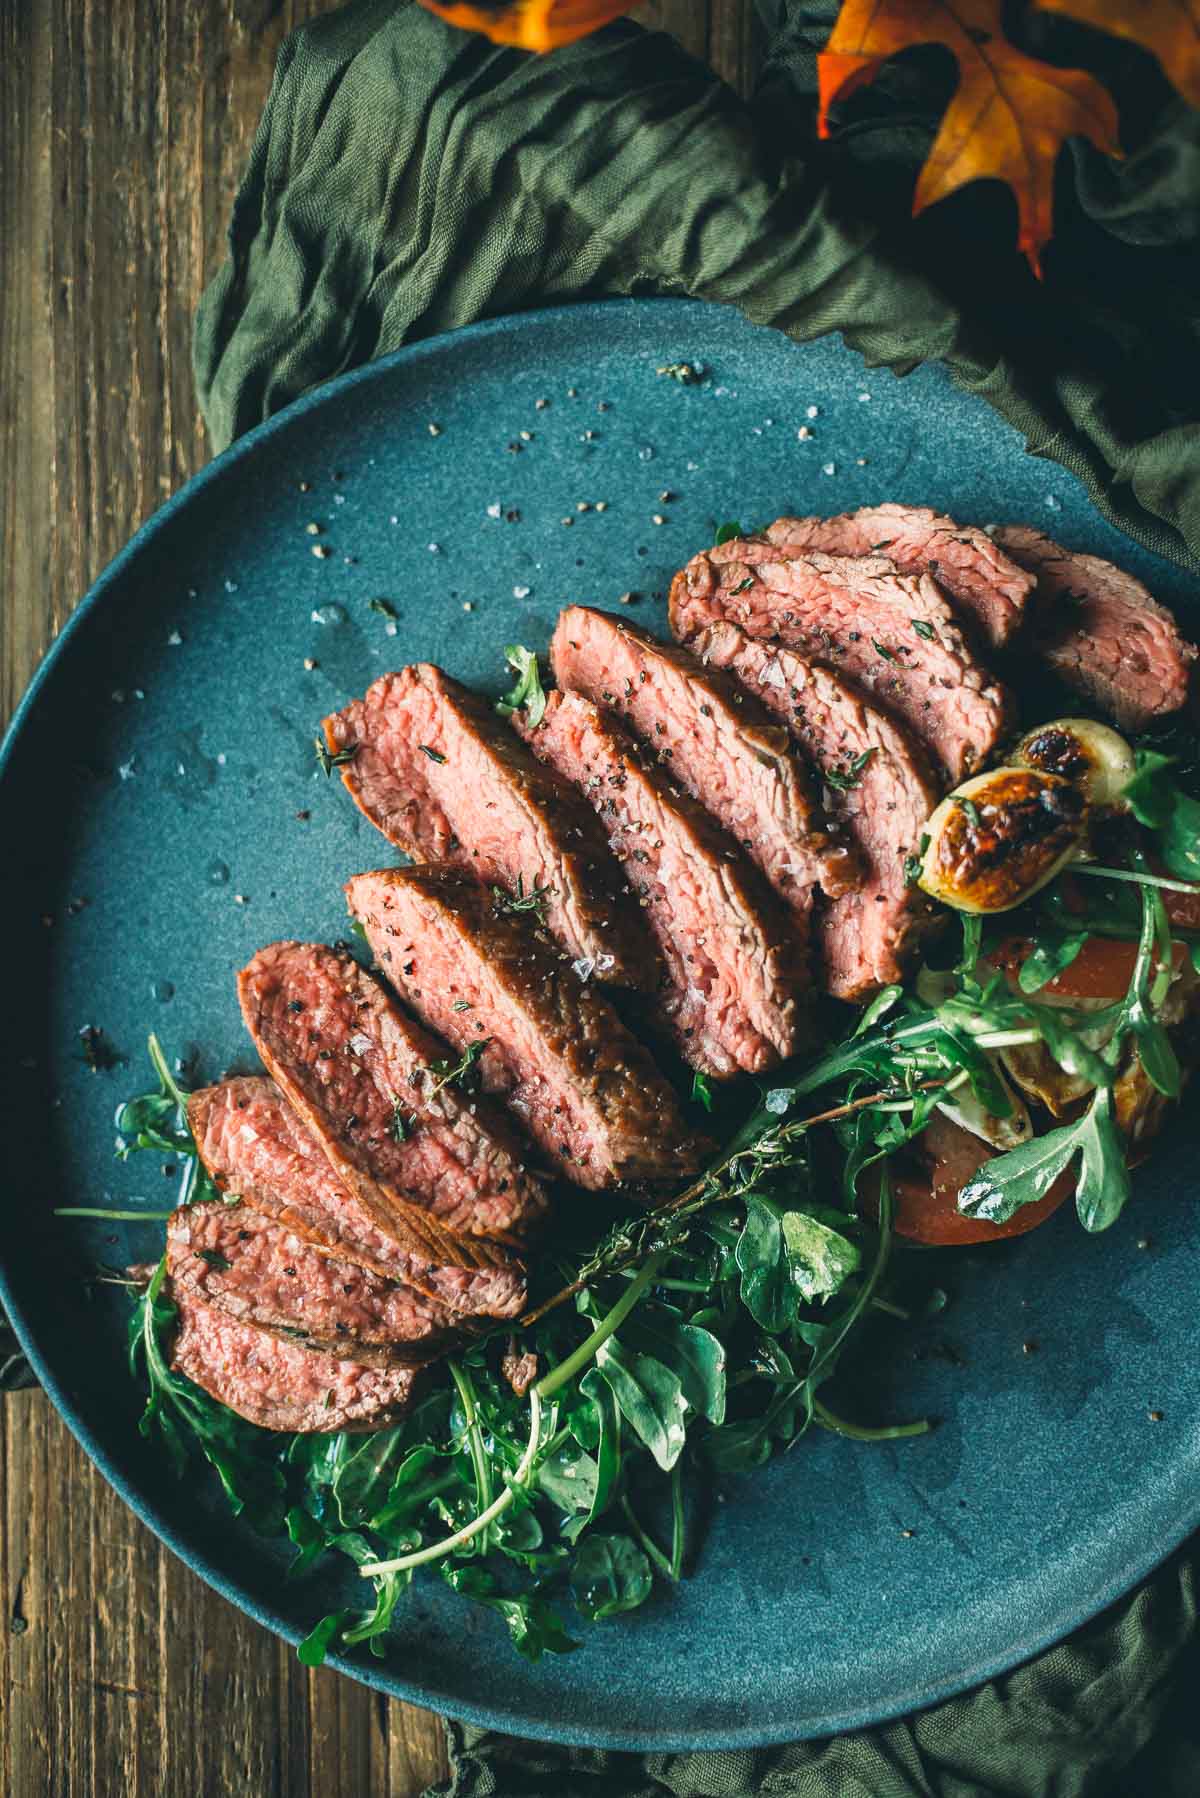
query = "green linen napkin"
{"x": 391, "y": 142}
{"x": 408, "y": 178}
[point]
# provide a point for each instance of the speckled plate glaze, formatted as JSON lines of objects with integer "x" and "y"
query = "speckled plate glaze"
{"x": 162, "y": 768}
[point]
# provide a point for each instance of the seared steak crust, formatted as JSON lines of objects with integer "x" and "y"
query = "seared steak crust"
{"x": 990, "y": 590}
{"x": 282, "y": 1385}
{"x": 732, "y": 966}
{"x": 443, "y": 778}
{"x": 719, "y": 746}
{"x": 254, "y": 1145}
{"x": 356, "y": 1068}
{"x": 895, "y": 635}
{"x": 1102, "y": 632}
{"x": 239, "y": 1262}
{"x": 878, "y": 782}
{"x": 581, "y": 1084}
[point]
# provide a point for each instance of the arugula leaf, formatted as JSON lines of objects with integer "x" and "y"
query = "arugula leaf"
{"x": 528, "y": 694}
{"x": 727, "y": 532}
{"x": 1021, "y": 1177}
{"x": 1103, "y": 1185}
{"x": 533, "y": 1627}
{"x": 694, "y": 1355}
{"x": 607, "y": 1448}
{"x": 610, "y": 1574}
{"x": 310, "y": 1538}
{"x": 1050, "y": 955}
{"x": 425, "y": 1473}
{"x": 315, "y": 1646}
{"x": 820, "y": 1259}
{"x": 1162, "y": 805}
{"x": 650, "y": 1398}
{"x": 767, "y": 1290}
{"x": 361, "y": 1481}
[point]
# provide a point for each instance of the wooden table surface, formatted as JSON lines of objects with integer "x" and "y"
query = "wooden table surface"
{"x": 124, "y": 125}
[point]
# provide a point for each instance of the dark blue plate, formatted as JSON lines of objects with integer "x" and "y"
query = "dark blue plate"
{"x": 161, "y": 768}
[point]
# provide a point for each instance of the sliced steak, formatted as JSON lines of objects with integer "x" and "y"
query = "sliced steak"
{"x": 238, "y": 1261}
{"x": 733, "y": 965}
{"x": 1101, "y": 632}
{"x": 991, "y": 590}
{"x": 720, "y": 747}
{"x": 356, "y": 1068}
{"x": 878, "y": 782}
{"x": 253, "y": 1144}
{"x": 893, "y": 634}
{"x": 581, "y": 1084}
{"x": 282, "y": 1385}
{"x": 444, "y": 779}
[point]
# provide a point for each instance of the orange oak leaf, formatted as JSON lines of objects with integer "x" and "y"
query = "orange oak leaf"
{"x": 531, "y": 24}
{"x": 1169, "y": 28}
{"x": 1009, "y": 115}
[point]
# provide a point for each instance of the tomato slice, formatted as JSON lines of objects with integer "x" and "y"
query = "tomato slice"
{"x": 926, "y": 1208}
{"x": 1102, "y": 969}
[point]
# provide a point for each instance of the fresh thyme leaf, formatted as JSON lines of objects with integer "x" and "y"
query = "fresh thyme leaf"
{"x": 462, "y": 1005}
{"x": 400, "y": 1126}
{"x": 528, "y": 694}
{"x": 843, "y": 778}
{"x": 970, "y": 808}
{"x": 435, "y": 755}
{"x": 328, "y": 760}
{"x": 922, "y": 628}
{"x": 881, "y": 650}
{"x": 728, "y": 531}
{"x": 912, "y": 870}
{"x": 521, "y": 901}
{"x": 215, "y": 1260}
{"x": 452, "y": 1073}
{"x": 686, "y": 373}
{"x": 384, "y": 607}
{"x": 702, "y": 1091}
{"x": 743, "y": 585}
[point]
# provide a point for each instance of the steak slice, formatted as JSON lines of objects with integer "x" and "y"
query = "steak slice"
{"x": 893, "y": 634}
{"x": 990, "y": 590}
{"x": 732, "y": 964}
{"x": 878, "y": 783}
{"x": 720, "y": 747}
{"x": 254, "y": 1145}
{"x": 581, "y": 1084}
{"x": 1101, "y": 632}
{"x": 444, "y": 779}
{"x": 239, "y": 1262}
{"x": 282, "y": 1385}
{"x": 356, "y": 1068}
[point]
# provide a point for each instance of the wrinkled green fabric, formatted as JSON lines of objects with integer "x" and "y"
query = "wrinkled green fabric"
{"x": 1113, "y": 1713}
{"x": 407, "y": 179}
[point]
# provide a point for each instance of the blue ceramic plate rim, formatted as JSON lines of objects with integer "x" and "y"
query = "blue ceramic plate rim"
{"x": 413, "y": 1690}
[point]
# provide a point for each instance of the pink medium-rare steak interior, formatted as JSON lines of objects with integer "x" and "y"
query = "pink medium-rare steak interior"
{"x": 282, "y": 1385}
{"x": 878, "y": 782}
{"x": 256, "y": 1271}
{"x": 895, "y": 635}
{"x": 253, "y": 1144}
{"x": 719, "y": 746}
{"x": 991, "y": 590}
{"x": 357, "y": 1066}
{"x": 445, "y": 780}
{"x": 1102, "y": 632}
{"x": 734, "y": 967}
{"x": 578, "y": 1080}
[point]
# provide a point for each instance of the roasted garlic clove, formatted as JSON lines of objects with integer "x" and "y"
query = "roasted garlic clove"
{"x": 999, "y": 837}
{"x": 1095, "y": 758}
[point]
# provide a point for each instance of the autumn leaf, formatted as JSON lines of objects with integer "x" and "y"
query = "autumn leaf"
{"x": 1008, "y": 118}
{"x": 1168, "y": 28}
{"x": 531, "y": 24}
